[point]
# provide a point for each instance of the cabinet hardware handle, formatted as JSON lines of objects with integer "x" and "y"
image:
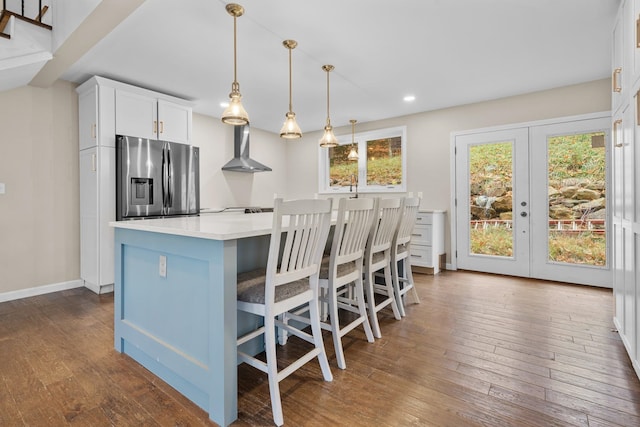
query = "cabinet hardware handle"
{"x": 414, "y": 234}
{"x": 616, "y": 86}
{"x": 161, "y": 126}
{"x": 638, "y": 32}
{"x": 616, "y": 123}
{"x": 93, "y": 130}
{"x": 155, "y": 126}
{"x": 93, "y": 162}
{"x": 416, "y": 256}
{"x": 419, "y": 218}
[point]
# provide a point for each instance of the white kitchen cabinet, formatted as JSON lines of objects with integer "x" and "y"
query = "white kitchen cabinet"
{"x": 100, "y": 117}
{"x": 625, "y": 178}
{"x": 630, "y": 290}
{"x": 427, "y": 241}
{"x": 97, "y": 208}
{"x": 174, "y": 122}
{"x": 618, "y": 61}
{"x": 632, "y": 13}
{"x": 94, "y": 103}
{"x": 146, "y": 116}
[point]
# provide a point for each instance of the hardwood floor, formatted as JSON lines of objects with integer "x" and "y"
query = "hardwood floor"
{"x": 479, "y": 350}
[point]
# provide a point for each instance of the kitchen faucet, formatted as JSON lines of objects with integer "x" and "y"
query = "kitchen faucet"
{"x": 354, "y": 178}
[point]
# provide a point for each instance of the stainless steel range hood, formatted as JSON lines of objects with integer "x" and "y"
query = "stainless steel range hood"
{"x": 241, "y": 161}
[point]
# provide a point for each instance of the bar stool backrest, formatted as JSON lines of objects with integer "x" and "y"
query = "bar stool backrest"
{"x": 407, "y": 221}
{"x": 305, "y": 225}
{"x": 384, "y": 227}
{"x": 353, "y": 226}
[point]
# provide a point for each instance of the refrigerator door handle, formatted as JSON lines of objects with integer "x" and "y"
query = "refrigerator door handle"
{"x": 164, "y": 180}
{"x": 169, "y": 179}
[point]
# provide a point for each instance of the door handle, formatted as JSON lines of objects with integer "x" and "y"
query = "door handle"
{"x": 616, "y": 85}
{"x": 616, "y": 124}
{"x": 523, "y": 214}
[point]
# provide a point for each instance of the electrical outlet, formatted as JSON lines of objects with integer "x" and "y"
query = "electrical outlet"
{"x": 163, "y": 266}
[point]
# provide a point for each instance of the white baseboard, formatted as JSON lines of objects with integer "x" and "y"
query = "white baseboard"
{"x": 40, "y": 290}
{"x": 104, "y": 289}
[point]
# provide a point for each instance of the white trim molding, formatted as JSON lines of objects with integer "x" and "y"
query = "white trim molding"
{"x": 40, "y": 290}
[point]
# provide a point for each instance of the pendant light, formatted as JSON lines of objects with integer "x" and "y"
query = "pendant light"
{"x": 235, "y": 114}
{"x": 290, "y": 128}
{"x": 328, "y": 140}
{"x": 353, "y": 154}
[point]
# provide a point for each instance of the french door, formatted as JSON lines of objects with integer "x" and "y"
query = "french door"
{"x": 531, "y": 201}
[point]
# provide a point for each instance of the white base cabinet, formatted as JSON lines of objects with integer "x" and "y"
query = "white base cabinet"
{"x": 626, "y": 177}
{"x": 98, "y": 207}
{"x": 107, "y": 108}
{"x": 427, "y": 240}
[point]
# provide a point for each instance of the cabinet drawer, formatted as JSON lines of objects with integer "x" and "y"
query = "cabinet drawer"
{"x": 421, "y": 234}
{"x": 424, "y": 219}
{"x": 421, "y": 256}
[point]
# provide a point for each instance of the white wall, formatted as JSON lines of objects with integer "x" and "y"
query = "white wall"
{"x": 39, "y": 213}
{"x": 429, "y": 137}
{"x": 220, "y": 189}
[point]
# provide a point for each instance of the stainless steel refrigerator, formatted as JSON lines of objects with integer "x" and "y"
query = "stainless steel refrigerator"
{"x": 156, "y": 178}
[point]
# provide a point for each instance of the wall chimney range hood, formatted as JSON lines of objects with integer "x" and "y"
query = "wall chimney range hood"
{"x": 241, "y": 161}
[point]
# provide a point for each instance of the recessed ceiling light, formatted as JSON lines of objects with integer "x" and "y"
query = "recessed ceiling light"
{"x": 409, "y": 98}
{"x": 224, "y": 104}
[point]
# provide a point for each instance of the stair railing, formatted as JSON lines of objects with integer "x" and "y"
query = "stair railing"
{"x": 5, "y": 14}
{"x": 38, "y": 18}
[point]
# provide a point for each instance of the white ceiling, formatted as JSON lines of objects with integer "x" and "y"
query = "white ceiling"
{"x": 445, "y": 52}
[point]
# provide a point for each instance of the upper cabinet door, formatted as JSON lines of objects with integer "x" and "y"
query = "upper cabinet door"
{"x": 136, "y": 115}
{"x": 88, "y": 118}
{"x": 95, "y": 117}
{"x": 174, "y": 122}
{"x": 633, "y": 35}
{"x": 618, "y": 71}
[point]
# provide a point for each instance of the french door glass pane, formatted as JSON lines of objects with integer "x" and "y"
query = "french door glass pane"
{"x": 384, "y": 161}
{"x": 577, "y": 199}
{"x": 491, "y": 204}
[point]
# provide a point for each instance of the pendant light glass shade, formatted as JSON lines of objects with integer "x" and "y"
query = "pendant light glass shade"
{"x": 290, "y": 128}
{"x": 328, "y": 140}
{"x": 353, "y": 154}
{"x": 235, "y": 114}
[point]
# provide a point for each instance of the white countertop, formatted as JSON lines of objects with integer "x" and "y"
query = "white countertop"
{"x": 215, "y": 226}
{"x": 223, "y": 226}
{"x": 431, "y": 211}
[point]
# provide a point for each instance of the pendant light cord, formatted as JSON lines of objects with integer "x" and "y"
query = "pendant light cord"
{"x": 290, "y": 85}
{"x": 353, "y": 131}
{"x": 235, "y": 59}
{"x": 328, "y": 119}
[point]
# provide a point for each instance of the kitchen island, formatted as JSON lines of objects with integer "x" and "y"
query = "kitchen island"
{"x": 175, "y": 300}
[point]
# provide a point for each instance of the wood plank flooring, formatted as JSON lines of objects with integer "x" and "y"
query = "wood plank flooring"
{"x": 480, "y": 350}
